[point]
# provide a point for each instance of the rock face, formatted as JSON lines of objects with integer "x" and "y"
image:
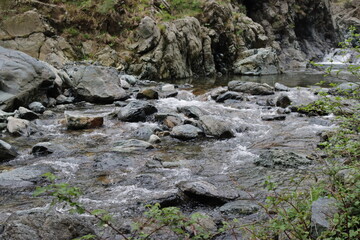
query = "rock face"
{"x": 177, "y": 49}
{"x": 82, "y": 120}
{"x": 95, "y": 83}
{"x": 7, "y": 152}
{"x": 29, "y": 32}
{"x": 22, "y": 79}
{"x": 132, "y": 145}
{"x": 262, "y": 61}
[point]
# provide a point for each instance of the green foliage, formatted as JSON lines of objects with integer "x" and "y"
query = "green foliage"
{"x": 73, "y": 32}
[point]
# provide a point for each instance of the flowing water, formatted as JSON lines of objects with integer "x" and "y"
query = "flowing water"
{"x": 124, "y": 182}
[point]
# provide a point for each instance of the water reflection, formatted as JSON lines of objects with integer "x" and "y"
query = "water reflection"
{"x": 290, "y": 79}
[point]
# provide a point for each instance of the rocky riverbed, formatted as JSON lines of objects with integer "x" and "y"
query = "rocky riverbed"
{"x": 127, "y": 143}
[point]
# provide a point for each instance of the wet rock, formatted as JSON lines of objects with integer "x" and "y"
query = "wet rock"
{"x": 273, "y": 117}
{"x": 22, "y": 79}
{"x": 124, "y": 84}
{"x": 278, "y": 158}
{"x": 281, "y": 87}
{"x": 129, "y": 78}
{"x": 120, "y": 103}
{"x": 37, "y": 107}
{"x": 136, "y": 111}
{"x": 148, "y": 93}
{"x": 83, "y": 120}
{"x": 262, "y": 61}
{"x": 23, "y": 176}
{"x": 345, "y": 88}
{"x": 217, "y": 92}
{"x": 154, "y": 139}
{"x": 240, "y": 207}
{"x": 5, "y": 115}
{"x": 27, "y": 114}
{"x": 131, "y": 145}
{"x": 2, "y": 126}
{"x": 229, "y": 95}
{"x": 216, "y": 126}
{"x": 192, "y": 111}
{"x": 144, "y": 132}
{"x": 40, "y": 223}
{"x": 322, "y": 213}
{"x": 95, "y": 83}
{"x": 172, "y": 121}
{"x": 204, "y": 192}
{"x": 19, "y": 127}
{"x": 250, "y": 87}
{"x": 185, "y": 132}
{"x": 61, "y": 99}
{"x": 7, "y": 152}
{"x": 168, "y": 88}
{"x": 283, "y": 101}
{"x": 45, "y": 148}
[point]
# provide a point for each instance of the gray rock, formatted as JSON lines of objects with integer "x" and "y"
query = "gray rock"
{"x": 27, "y": 114}
{"x": 168, "y": 88}
{"x": 250, "y": 87}
{"x": 216, "y": 126}
{"x": 22, "y": 79}
{"x": 283, "y": 101}
{"x": 185, "y": 132}
{"x": 205, "y": 192}
{"x": 322, "y": 212}
{"x": 192, "y": 111}
{"x": 262, "y": 61}
{"x": 344, "y": 88}
{"x": 2, "y": 126}
{"x": 131, "y": 145}
{"x": 124, "y": 84}
{"x": 148, "y": 93}
{"x": 277, "y": 158}
{"x": 240, "y": 207}
{"x": 217, "y": 92}
{"x": 95, "y": 83}
{"x": 149, "y": 35}
{"x": 61, "y": 99}
{"x": 18, "y": 126}
{"x": 5, "y": 115}
{"x": 136, "y": 111}
{"x": 169, "y": 119}
{"x": 84, "y": 120}
{"x": 129, "y": 79}
{"x": 45, "y": 148}
{"x": 281, "y": 87}
{"x": 23, "y": 176}
{"x": 143, "y": 133}
{"x": 229, "y": 95}
{"x": 7, "y": 152}
{"x": 154, "y": 139}
{"x": 37, "y": 107}
{"x": 273, "y": 117}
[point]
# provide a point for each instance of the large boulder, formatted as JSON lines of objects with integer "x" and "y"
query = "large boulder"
{"x": 216, "y": 126}
{"x": 250, "y": 87}
{"x": 262, "y": 61}
{"x": 20, "y": 127}
{"x": 7, "y": 152}
{"x": 22, "y": 79}
{"x": 95, "y": 83}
